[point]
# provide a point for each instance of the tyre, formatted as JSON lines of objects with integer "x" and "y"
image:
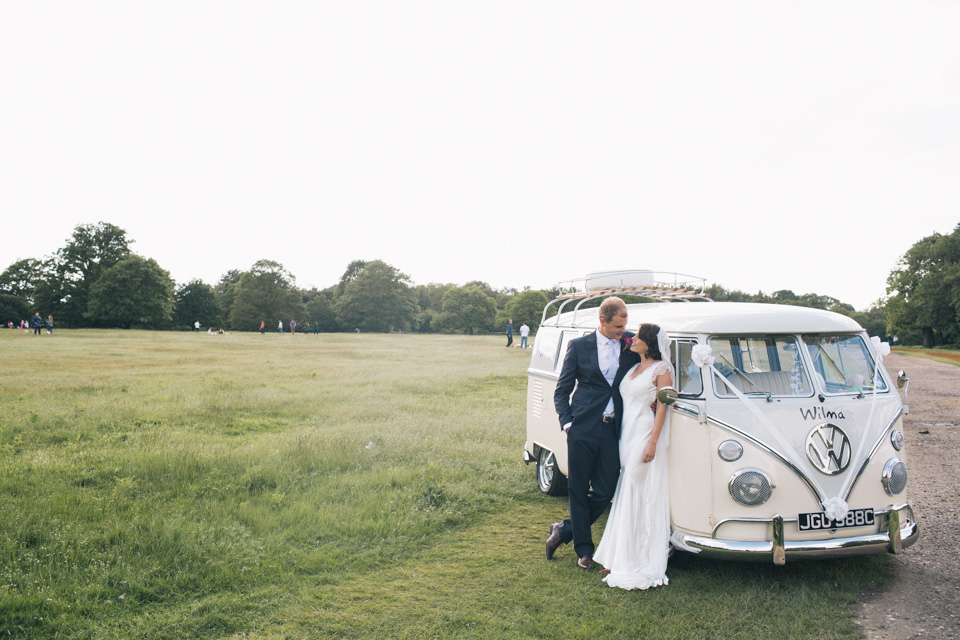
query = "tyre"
{"x": 549, "y": 478}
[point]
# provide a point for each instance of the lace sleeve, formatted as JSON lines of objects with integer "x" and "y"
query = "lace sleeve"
{"x": 661, "y": 368}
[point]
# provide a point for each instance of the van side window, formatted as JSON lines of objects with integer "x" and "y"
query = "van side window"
{"x": 564, "y": 343}
{"x": 545, "y": 349}
{"x": 690, "y": 382}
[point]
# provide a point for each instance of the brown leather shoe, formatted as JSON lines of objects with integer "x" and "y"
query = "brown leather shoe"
{"x": 554, "y": 541}
{"x": 586, "y": 562}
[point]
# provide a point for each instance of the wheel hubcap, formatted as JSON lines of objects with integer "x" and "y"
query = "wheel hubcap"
{"x": 548, "y": 464}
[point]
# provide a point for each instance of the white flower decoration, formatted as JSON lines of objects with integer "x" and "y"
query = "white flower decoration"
{"x": 882, "y": 348}
{"x": 836, "y": 508}
{"x": 702, "y": 355}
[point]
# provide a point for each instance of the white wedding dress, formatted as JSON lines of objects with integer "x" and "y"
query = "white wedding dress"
{"x": 637, "y": 535}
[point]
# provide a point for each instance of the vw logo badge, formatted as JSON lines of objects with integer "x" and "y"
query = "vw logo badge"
{"x": 828, "y": 448}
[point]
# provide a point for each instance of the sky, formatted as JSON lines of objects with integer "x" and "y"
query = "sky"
{"x": 759, "y": 145}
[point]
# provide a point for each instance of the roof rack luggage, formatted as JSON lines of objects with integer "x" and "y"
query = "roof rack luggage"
{"x": 656, "y": 285}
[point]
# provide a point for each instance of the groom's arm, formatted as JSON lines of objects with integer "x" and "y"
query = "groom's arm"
{"x": 565, "y": 386}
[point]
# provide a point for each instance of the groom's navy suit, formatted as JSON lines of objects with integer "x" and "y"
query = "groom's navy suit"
{"x": 593, "y": 456}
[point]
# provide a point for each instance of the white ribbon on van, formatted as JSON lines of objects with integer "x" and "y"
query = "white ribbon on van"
{"x": 702, "y": 355}
{"x": 880, "y": 349}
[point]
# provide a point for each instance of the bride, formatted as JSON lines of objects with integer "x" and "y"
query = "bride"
{"x": 637, "y": 535}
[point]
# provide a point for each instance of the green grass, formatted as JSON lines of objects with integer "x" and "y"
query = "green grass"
{"x": 175, "y": 485}
{"x": 946, "y": 356}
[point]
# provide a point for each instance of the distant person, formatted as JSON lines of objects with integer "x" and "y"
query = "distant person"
{"x": 357, "y": 330}
{"x": 196, "y": 327}
{"x": 316, "y": 327}
{"x": 280, "y": 327}
{"x": 50, "y": 325}
{"x": 524, "y": 334}
{"x": 509, "y": 332}
{"x": 36, "y": 323}
{"x": 293, "y": 326}
{"x": 263, "y": 326}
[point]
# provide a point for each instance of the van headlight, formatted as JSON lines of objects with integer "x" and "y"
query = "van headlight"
{"x": 894, "y": 477}
{"x": 750, "y": 487}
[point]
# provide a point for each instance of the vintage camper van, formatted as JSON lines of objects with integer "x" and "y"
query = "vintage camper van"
{"x": 786, "y": 433}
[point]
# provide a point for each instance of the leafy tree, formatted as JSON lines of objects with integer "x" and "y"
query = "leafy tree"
{"x": 196, "y": 301}
{"x": 14, "y": 309}
{"x": 467, "y": 309}
{"x": 525, "y": 307}
{"x": 719, "y": 294}
{"x": 874, "y": 321}
{"x": 353, "y": 270}
{"x": 76, "y": 267}
{"x": 319, "y": 308}
{"x": 783, "y": 296}
{"x": 504, "y": 296}
{"x": 376, "y": 298}
{"x": 924, "y": 290}
{"x": 265, "y": 293}
{"x": 483, "y": 286}
{"x": 22, "y": 278}
{"x": 430, "y": 301}
{"x": 225, "y": 290}
{"x": 133, "y": 292}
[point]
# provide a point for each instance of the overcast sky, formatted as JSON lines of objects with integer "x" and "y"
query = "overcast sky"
{"x": 761, "y": 145}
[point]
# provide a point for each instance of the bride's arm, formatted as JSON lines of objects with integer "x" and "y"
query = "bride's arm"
{"x": 650, "y": 451}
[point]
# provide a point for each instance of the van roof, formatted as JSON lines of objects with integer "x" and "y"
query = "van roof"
{"x": 721, "y": 317}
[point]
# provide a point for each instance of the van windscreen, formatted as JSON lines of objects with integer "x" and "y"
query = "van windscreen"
{"x": 765, "y": 365}
{"x": 842, "y": 364}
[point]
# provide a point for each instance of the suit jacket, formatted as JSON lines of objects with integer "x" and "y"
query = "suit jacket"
{"x": 581, "y": 375}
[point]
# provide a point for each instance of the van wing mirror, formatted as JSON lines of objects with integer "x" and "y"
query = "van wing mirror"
{"x": 667, "y": 396}
{"x": 903, "y": 382}
{"x": 902, "y": 379}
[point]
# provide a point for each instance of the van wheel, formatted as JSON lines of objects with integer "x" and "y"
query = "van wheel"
{"x": 549, "y": 478}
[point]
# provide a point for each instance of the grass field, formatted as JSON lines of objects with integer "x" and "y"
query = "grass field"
{"x": 947, "y": 356}
{"x": 180, "y": 485}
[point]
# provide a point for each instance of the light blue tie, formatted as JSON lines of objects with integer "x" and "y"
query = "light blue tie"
{"x": 611, "y": 363}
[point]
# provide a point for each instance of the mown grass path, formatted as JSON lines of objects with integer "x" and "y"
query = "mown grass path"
{"x": 175, "y": 485}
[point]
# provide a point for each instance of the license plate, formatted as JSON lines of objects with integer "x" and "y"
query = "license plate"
{"x": 820, "y": 521}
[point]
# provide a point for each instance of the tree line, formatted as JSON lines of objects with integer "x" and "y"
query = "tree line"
{"x": 96, "y": 280}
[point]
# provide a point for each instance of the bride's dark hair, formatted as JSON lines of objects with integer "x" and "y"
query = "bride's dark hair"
{"x": 648, "y": 333}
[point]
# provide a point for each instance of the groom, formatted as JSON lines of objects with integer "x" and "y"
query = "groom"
{"x": 594, "y": 366}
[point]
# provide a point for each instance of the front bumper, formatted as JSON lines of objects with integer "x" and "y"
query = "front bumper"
{"x": 899, "y": 532}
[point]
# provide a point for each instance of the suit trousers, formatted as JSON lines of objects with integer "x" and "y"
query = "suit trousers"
{"x": 593, "y": 466}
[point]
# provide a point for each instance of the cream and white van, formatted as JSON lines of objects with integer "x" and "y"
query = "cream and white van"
{"x": 785, "y": 441}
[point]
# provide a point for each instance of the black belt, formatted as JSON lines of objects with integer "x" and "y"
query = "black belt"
{"x": 609, "y": 418}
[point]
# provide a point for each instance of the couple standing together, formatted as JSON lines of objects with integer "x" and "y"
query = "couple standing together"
{"x": 616, "y": 449}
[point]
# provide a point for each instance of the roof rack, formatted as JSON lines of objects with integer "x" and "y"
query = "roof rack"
{"x": 662, "y": 286}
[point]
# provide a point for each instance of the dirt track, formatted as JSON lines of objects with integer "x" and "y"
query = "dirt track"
{"x": 922, "y": 600}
